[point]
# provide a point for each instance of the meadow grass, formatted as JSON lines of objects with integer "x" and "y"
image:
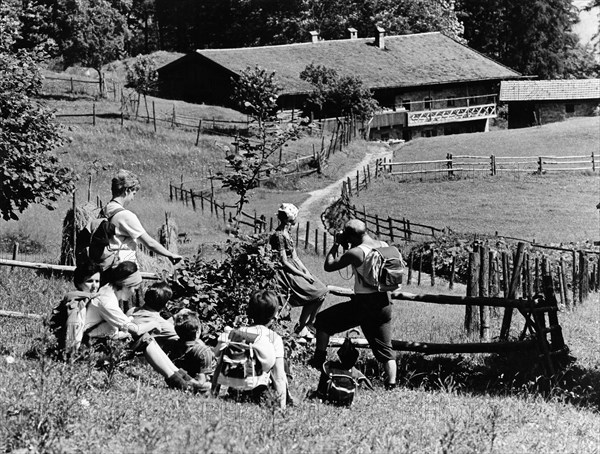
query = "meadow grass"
{"x": 445, "y": 404}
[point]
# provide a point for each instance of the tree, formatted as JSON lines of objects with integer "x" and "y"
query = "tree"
{"x": 533, "y": 37}
{"x": 255, "y": 92}
{"x": 142, "y": 77}
{"x": 97, "y": 35}
{"x": 29, "y": 171}
{"x": 337, "y": 96}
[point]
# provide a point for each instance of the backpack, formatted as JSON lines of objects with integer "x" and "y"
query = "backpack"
{"x": 94, "y": 239}
{"x": 67, "y": 322}
{"x": 384, "y": 268}
{"x": 336, "y": 386}
{"x": 244, "y": 361}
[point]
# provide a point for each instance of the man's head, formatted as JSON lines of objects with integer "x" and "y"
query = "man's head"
{"x": 354, "y": 231}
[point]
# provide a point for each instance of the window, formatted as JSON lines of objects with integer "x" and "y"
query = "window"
{"x": 406, "y": 104}
{"x": 427, "y": 103}
{"x": 451, "y": 102}
{"x": 570, "y": 108}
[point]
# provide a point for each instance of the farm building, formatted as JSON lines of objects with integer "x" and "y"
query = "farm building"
{"x": 536, "y": 102}
{"x": 427, "y": 84}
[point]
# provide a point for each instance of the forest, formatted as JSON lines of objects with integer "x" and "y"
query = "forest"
{"x": 534, "y": 37}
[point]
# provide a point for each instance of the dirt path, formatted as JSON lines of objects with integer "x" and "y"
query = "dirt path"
{"x": 319, "y": 199}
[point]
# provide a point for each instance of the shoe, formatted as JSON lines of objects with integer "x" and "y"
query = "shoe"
{"x": 181, "y": 380}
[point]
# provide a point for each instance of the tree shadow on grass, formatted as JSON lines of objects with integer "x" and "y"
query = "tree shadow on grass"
{"x": 518, "y": 374}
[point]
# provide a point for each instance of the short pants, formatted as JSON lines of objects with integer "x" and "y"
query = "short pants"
{"x": 372, "y": 312}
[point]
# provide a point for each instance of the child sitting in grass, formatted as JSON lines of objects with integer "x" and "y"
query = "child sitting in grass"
{"x": 155, "y": 300}
{"x": 189, "y": 352}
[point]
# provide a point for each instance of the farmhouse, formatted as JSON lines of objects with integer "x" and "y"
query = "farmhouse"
{"x": 427, "y": 84}
{"x": 536, "y": 102}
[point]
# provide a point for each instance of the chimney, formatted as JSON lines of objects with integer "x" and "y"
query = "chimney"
{"x": 380, "y": 37}
{"x": 353, "y": 33}
{"x": 314, "y": 36}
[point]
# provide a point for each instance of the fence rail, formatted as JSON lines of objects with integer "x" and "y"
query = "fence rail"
{"x": 493, "y": 165}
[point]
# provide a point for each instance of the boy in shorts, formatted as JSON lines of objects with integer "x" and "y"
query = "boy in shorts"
{"x": 189, "y": 352}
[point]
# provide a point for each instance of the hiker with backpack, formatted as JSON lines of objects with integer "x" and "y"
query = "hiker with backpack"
{"x": 128, "y": 230}
{"x": 304, "y": 289}
{"x": 370, "y": 306}
{"x": 105, "y": 321}
{"x": 250, "y": 359}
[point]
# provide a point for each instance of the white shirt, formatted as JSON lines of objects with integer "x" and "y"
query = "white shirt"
{"x": 128, "y": 229}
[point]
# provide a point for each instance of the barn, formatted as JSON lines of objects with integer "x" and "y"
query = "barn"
{"x": 427, "y": 84}
{"x": 537, "y": 102}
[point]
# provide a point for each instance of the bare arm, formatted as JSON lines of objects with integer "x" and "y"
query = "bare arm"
{"x": 156, "y": 247}
{"x": 334, "y": 261}
{"x": 279, "y": 381}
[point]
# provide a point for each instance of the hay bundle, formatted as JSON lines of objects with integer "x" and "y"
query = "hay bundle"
{"x": 168, "y": 234}
{"x": 75, "y": 222}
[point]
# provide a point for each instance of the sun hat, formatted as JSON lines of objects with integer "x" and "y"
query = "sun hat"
{"x": 290, "y": 210}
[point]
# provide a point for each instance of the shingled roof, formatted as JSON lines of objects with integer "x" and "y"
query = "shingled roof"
{"x": 548, "y": 90}
{"x": 406, "y": 61}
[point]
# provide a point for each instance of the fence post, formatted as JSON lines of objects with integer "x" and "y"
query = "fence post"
{"x": 556, "y": 335}
{"x": 297, "y": 234}
{"x": 583, "y": 277}
{"x": 357, "y": 183}
{"x": 15, "y": 252}
{"x": 540, "y": 165}
{"x": 72, "y": 89}
{"x": 492, "y": 165}
{"x": 513, "y": 290}
{"x": 170, "y": 191}
{"x": 377, "y": 164}
{"x": 410, "y": 268}
{"x": 198, "y": 133}
{"x": 484, "y": 311}
{"x": 324, "y": 243}
{"x": 193, "y": 200}
{"x": 593, "y": 163}
{"x": 224, "y": 218}
{"x": 452, "y": 273}
{"x": 202, "y": 201}
{"x": 377, "y": 231}
{"x": 449, "y": 165}
{"x": 432, "y": 267}
{"x": 391, "y": 229}
{"x": 173, "y": 118}
{"x": 369, "y": 174}
{"x": 307, "y": 234}
{"x": 408, "y": 230}
{"x": 349, "y": 187}
{"x": 472, "y": 290}
{"x": 563, "y": 283}
{"x": 94, "y": 114}
{"x": 317, "y": 241}
{"x": 574, "y": 278}
{"x": 154, "y": 115}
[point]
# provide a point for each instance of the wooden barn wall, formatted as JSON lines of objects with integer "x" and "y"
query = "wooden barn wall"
{"x": 550, "y": 112}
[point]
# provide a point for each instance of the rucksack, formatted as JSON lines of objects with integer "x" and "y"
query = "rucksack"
{"x": 67, "y": 322}
{"x": 94, "y": 239}
{"x": 336, "y": 386}
{"x": 245, "y": 361}
{"x": 384, "y": 268}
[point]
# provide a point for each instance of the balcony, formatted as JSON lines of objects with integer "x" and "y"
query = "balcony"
{"x": 451, "y": 115}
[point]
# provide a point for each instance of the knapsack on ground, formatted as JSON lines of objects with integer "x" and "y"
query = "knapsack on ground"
{"x": 384, "y": 268}
{"x": 336, "y": 385}
{"x": 67, "y": 322}
{"x": 94, "y": 240}
{"x": 244, "y": 361}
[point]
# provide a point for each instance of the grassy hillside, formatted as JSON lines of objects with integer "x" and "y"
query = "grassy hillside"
{"x": 548, "y": 208}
